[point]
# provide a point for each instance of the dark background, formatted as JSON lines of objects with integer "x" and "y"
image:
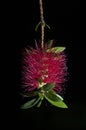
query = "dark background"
{"x": 67, "y": 22}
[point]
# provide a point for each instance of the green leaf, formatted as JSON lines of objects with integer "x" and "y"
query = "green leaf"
{"x": 39, "y": 104}
{"x": 41, "y": 96}
{"x": 47, "y": 26}
{"x": 61, "y": 98}
{"x": 30, "y": 94}
{"x": 30, "y": 103}
{"x": 56, "y": 49}
{"x": 37, "y": 26}
{"x": 51, "y": 94}
{"x": 43, "y": 24}
{"x": 60, "y": 104}
{"x": 47, "y": 87}
{"x": 49, "y": 44}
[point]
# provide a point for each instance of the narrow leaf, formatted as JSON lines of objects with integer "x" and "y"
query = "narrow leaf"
{"x": 41, "y": 96}
{"x": 53, "y": 96}
{"x": 30, "y": 103}
{"x": 59, "y": 96}
{"x": 39, "y": 104}
{"x": 47, "y": 87}
{"x": 56, "y": 49}
{"x": 47, "y": 26}
{"x": 49, "y": 44}
{"x": 30, "y": 94}
{"x": 37, "y": 26}
{"x": 60, "y": 104}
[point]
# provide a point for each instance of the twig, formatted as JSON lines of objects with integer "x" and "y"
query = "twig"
{"x": 42, "y": 23}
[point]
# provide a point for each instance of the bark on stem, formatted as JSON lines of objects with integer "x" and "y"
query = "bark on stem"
{"x": 42, "y": 23}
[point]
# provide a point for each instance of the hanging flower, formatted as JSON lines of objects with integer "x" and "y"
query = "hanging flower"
{"x": 43, "y": 71}
{"x": 43, "y": 75}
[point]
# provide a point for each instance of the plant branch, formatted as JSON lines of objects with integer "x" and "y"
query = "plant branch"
{"x": 42, "y": 23}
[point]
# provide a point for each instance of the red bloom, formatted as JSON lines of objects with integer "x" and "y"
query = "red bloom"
{"x": 42, "y": 67}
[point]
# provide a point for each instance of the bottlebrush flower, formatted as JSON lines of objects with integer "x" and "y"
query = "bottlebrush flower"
{"x": 44, "y": 72}
{"x": 42, "y": 67}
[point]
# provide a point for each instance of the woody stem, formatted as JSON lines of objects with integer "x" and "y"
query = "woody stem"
{"x": 42, "y": 23}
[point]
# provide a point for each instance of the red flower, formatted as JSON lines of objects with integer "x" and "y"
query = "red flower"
{"x": 41, "y": 67}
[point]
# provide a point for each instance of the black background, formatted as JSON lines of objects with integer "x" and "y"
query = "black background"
{"x": 67, "y": 22}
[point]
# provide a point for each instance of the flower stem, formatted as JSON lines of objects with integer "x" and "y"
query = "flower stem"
{"x": 42, "y": 23}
